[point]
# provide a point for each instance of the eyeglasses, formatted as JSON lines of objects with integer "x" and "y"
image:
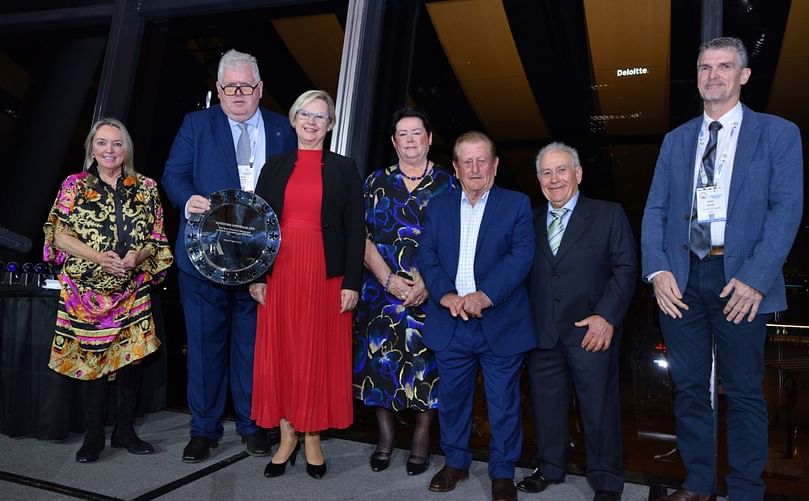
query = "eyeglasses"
{"x": 245, "y": 90}
{"x": 313, "y": 116}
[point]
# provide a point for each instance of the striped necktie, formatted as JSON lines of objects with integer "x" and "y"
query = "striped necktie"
{"x": 556, "y": 229}
{"x": 700, "y": 233}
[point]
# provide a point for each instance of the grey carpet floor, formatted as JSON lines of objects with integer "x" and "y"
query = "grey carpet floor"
{"x": 33, "y": 470}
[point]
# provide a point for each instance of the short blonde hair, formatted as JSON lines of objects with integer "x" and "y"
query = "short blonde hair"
{"x": 306, "y": 98}
{"x": 129, "y": 149}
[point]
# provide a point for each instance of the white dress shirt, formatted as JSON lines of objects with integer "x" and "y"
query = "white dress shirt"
{"x": 471, "y": 216}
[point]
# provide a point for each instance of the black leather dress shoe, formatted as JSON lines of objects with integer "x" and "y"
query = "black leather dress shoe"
{"x": 605, "y": 495}
{"x": 258, "y": 443}
{"x": 198, "y": 448}
{"x": 535, "y": 482}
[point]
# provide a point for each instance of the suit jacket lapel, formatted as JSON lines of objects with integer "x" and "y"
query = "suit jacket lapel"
{"x": 222, "y": 136}
{"x": 542, "y": 234}
{"x": 455, "y": 226}
{"x": 745, "y": 148}
{"x": 488, "y": 216}
{"x": 576, "y": 226}
{"x": 689, "y": 151}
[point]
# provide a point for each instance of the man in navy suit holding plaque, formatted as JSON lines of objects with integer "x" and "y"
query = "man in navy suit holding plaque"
{"x": 222, "y": 147}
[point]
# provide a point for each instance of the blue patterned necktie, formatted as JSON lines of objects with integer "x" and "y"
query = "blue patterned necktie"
{"x": 700, "y": 239}
{"x": 243, "y": 146}
{"x": 556, "y": 229}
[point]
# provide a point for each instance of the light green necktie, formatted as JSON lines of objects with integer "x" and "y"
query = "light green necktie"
{"x": 556, "y": 229}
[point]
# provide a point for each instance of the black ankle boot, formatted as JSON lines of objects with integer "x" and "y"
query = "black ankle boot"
{"x": 95, "y": 410}
{"x": 123, "y": 435}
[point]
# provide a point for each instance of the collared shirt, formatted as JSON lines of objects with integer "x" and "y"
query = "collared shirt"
{"x": 570, "y": 205}
{"x": 471, "y": 216}
{"x": 255, "y": 127}
{"x": 726, "y": 142}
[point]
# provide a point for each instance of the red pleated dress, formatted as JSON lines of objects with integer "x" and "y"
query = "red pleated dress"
{"x": 302, "y": 368}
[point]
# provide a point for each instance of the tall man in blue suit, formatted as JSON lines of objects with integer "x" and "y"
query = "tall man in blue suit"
{"x": 580, "y": 287}
{"x": 722, "y": 213}
{"x": 474, "y": 255}
{"x": 222, "y": 147}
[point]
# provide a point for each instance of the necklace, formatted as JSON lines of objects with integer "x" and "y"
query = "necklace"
{"x": 415, "y": 178}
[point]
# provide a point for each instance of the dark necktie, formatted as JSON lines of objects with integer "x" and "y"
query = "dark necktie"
{"x": 700, "y": 240}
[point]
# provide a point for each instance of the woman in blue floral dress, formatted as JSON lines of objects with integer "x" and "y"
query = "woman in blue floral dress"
{"x": 393, "y": 370}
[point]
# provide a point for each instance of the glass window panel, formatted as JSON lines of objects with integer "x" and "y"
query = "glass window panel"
{"x": 48, "y": 86}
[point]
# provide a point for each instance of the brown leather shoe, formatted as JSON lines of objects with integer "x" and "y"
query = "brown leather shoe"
{"x": 503, "y": 490}
{"x": 685, "y": 495}
{"x": 447, "y": 478}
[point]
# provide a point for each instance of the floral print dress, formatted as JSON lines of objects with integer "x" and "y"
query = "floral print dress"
{"x": 392, "y": 367}
{"x": 103, "y": 321}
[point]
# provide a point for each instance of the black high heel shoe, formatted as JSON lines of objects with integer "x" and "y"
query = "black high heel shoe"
{"x": 316, "y": 471}
{"x": 277, "y": 469}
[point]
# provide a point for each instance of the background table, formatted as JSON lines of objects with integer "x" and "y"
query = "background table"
{"x": 38, "y": 402}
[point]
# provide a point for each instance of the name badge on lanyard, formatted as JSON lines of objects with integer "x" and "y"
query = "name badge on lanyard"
{"x": 711, "y": 204}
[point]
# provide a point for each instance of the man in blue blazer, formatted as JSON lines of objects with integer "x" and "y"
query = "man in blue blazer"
{"x": 722, "y": 213}
{"x": 580, "y": 287}
{"x": 474, "y": 255}
{"x": 222, "y": 147}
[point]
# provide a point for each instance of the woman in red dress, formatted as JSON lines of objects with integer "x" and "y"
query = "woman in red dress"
{"x": 302, "y": 370}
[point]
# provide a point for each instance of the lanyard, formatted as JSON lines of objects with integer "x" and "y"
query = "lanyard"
{"x": 722, "y": 157}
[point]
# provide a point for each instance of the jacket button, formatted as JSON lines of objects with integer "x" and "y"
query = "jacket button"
{"x": 556, "y": 276}
{"x": 685, "y": 247}
{"x": 325, "y": 226}
{"x": 687, "y": 217}
{"x": 557, "y": 299}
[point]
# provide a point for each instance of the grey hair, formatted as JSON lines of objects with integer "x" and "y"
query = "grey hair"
{"x": 732, "y": 43}
{"x": 129, "y": 149}
{"x": 557, "y": 146}
{"x": 233, "y": 59}
{"x": 306, "y": 98}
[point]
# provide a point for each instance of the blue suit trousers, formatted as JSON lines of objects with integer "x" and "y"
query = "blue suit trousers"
{"x": 221, "y": 327}
{"x": 458, "y": 366}
{"x": 740, "y": 365}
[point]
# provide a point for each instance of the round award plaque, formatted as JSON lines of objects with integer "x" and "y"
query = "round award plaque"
{"x": 236, "y": 240}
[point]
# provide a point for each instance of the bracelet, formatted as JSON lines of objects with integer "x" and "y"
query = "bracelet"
{"x": 387, "y": 281}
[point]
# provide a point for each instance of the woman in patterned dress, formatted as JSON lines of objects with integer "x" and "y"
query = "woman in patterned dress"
{"x": 106, "y": 232}
{"x": 393, "y": 370}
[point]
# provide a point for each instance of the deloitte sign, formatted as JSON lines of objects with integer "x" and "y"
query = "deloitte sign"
{"x": 631, "y": 72}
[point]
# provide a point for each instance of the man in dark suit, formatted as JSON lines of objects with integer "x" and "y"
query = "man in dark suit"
{"x": 722, "y": 213}
{"x": 580, "y": 287}
{"x": 474, "y": 254}
{"x": 222, "y": 147}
